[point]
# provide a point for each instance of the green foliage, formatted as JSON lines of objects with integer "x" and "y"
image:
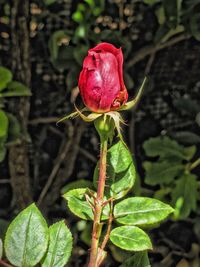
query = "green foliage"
{"x": 3, "y": 134}
{"x": 121, "y": 171}
{"x": 5, "y": 77}
{"x": 77, "y": 184}
{"x": 130, "y": 238}
{"x": 4, "y": 125}
{"x": 60, "y": 246}
{"x": 27, "y": 238}
{"x": 9, "y": 125}
{"x": 164, "y": 147}
{"x": 162, "y": 172}
{"x": 172, "y": 172}
{"x": 141, "y": 211}
{"x": 139, "y": 259}
{"x": 29, "y": 242}
{"x": 80, "y": 202}
{"x": 15, "y": 88}
{"x": 186, "y": 189}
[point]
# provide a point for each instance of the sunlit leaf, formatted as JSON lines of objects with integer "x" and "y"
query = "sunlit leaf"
{"x": 5, "y": 77}
{"x": 3, "y": 125}
{"x": 141, "y": 211}
{"x": 60, "y": 246}
{"x": 78, "y": 204}
{"x": 120, "y": 171}
{"x": 27, "y": 238}
{"x": 130, "y": 238}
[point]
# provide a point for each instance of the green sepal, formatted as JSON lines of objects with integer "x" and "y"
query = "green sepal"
{"x": 132, "y": 103}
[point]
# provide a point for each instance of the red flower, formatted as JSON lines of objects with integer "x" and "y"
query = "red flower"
{"x": 101, "y": 81}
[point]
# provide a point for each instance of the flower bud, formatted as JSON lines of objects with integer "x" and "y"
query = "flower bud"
{"x": 101, "y": 81}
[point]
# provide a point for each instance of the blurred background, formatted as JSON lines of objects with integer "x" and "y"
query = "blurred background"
{"x": 42, "y": 46}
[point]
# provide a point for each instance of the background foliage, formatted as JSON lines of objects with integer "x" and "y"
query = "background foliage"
{"x": 159, "y": 38}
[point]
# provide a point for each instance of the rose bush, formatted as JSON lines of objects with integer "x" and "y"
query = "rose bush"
{"x": 101, "y": 81}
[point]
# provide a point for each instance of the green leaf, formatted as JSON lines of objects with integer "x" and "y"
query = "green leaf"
{"x": 1, "y": 249}
{"x": 80, "y": 207}
{"x": 195, "y": 25}
{"x": 186, "y": 137}
{"x": 186, "y": 188}
{"x": 164, "y": 147}
{"x": 3, "y": 151}
{"x": 14, "y": 129}
{"x": 162, "y": 172}
{"x": 78, "y": 16}
{"x": 172, "y": 10}
{"x": 76, "y": 184}
{"x": 27, "y": 238}
{"x": 5, "y": 77}
{"x": 120, "y": 171}
{"x": 3, "y": 125}
{"x": 60, "y": 246}
{"x": 141, "y": 211}
{"x": 189, "y": 152}
{"x": 140, "y": 259}
{"x": 130, "y": 238}
{"x": 15, "y": 88}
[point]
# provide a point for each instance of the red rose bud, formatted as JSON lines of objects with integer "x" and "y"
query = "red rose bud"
{"x": 101, "y": 81}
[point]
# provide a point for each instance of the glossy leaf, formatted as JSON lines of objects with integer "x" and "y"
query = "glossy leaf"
{"x": 164, "y": 147}
{"x": 27, "y": 238}
{"x": 139, "y": 259}
{"x": 162, "y": 172}
{"x": 80, "y": 207}
{"x": 15, "y": 88}
{"x": 60, "y": 246}
{"x": 186, "y": 188}
{"x": 120, "y": 171}
{"x": 5, "y": 77}
{"x": 141, "y": 211}
{"x": 76, "y": 184}
{"x": 4, "y": 125}
{"x": 130, "y": 238}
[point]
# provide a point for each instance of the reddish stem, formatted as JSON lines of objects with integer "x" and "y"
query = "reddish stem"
{"x": 97, "y": 226}
{"x": 107, "y": 235}
{"x": 3, "y": 263}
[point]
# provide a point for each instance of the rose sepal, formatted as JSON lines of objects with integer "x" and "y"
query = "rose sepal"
{"x": 132, "y": 103}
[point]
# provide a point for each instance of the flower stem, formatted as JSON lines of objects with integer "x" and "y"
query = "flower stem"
{"x": 97, "y": 226}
